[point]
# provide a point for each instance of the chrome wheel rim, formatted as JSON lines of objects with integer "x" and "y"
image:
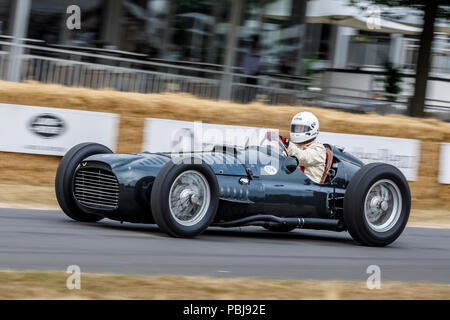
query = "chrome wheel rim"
{"x": 383, "y": 205}
{"x": 189, "y": 198}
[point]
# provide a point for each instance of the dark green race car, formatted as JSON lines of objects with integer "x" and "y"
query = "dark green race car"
{"x": 185, "y": 193}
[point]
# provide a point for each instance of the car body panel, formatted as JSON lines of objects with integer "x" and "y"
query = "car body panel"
{"x": 268, "y": 188}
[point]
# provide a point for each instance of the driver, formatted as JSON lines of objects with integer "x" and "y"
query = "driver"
{"x": 310, "y": 153}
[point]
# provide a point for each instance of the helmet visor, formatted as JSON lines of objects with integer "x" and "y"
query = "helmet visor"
{"x": 299, "y": 128}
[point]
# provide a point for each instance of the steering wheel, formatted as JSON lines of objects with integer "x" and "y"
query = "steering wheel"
{"x": 283, "y": 147}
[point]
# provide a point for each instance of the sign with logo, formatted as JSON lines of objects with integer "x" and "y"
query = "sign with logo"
{"x": 401, "y": 153}
{"x": 444, "y": 163}
{"x": 53, "y": 131}
{"x": 47, "y": 125}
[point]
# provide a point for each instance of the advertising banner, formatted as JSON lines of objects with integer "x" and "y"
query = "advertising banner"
{"x": 401, "y": 153}
{"x": 444, "y": 163}
{"x": 53, "y": 131}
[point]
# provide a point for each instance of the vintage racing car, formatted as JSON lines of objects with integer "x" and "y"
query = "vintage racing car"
{"x": 186, "y": 193}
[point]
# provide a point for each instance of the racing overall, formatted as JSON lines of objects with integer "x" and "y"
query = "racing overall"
{"x": 311, "y": 158}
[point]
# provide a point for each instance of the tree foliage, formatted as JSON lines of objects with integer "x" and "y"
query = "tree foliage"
{"x": 432, "y": 11}
{"x": 392, "y": 80}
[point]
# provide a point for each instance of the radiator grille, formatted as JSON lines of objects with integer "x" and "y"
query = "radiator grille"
{"x": 96, "y": 188}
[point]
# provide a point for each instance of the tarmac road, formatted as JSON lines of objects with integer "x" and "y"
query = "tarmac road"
{"x": 48, "y": 240}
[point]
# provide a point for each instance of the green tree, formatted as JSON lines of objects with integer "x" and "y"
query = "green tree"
{"x": 432, "y": 10}
{"x": 392, "y": 81}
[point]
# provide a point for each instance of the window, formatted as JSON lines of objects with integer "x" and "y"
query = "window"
{"x": 48, "y": 22}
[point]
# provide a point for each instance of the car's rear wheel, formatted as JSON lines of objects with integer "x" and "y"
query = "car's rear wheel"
{"x": 64, "y": 180}
{"x": 184, "y": 198}
{"x": 377, "y": 204}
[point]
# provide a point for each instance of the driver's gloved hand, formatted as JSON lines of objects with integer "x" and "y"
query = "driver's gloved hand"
{"x": 285, "y": 141}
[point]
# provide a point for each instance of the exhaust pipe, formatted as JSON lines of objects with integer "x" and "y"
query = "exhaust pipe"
{"x": 269, "y": 220}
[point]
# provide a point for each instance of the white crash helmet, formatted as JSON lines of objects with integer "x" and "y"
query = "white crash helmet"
{"x": 304, "y": 127}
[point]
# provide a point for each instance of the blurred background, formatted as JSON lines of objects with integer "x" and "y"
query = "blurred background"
{"x": 360, "y": 56}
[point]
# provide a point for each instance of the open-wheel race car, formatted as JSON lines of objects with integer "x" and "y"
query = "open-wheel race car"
{"x": 186, "y": 193}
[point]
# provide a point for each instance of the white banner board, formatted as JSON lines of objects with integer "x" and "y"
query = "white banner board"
{"x": 444, "y": 163}
{"x": 162, "y": 135}
{"x": 401, "y": 153}
{"x": 53, "y": 131}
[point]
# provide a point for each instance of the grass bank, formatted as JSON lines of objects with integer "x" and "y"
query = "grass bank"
{"x": 52, "y": 285}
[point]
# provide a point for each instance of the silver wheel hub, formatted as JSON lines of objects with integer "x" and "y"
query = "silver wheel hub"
{"x": 383, "y": 205}
{"x": 189, "y": 198}
{"x": 194, "y": 199}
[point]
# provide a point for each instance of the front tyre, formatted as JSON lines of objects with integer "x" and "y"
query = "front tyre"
{"x": 64, "y": 180}
{"x": 184, "y": 198}
{"x": 377, "y": 204}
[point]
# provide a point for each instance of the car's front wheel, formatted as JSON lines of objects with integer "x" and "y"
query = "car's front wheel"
{"x": 184, "y": 198}
{"x": 64, "y": 180}
{"x": 377, "y": 204}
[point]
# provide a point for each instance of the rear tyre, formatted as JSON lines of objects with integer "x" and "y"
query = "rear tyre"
{"x": 184, "y": 198}
{"x": 377, "y": 204}
{"x": 64, "y": 180}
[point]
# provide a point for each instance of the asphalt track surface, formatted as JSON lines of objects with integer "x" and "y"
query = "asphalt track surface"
{"x": 48, "y": 240}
